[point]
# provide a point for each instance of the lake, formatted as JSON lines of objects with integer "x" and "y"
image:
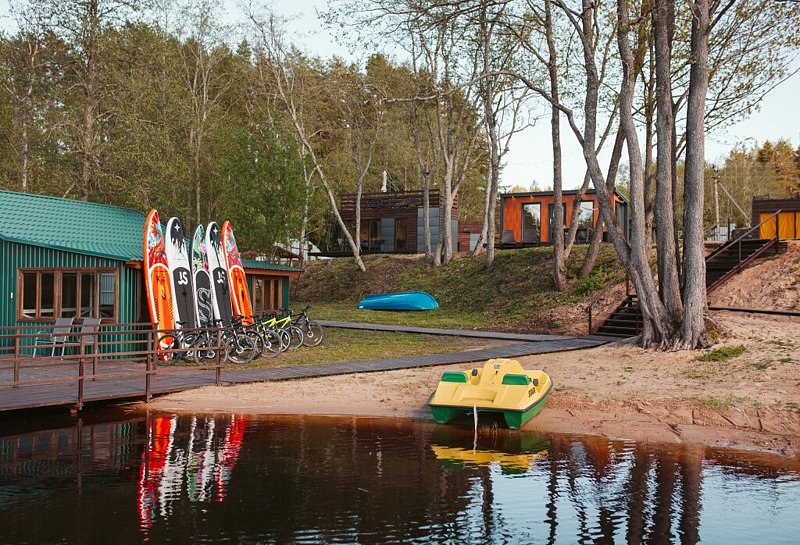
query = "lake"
{"x": 115, "y": 477}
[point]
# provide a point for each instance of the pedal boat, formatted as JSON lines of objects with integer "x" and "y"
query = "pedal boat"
{"x": 502, "y": 386}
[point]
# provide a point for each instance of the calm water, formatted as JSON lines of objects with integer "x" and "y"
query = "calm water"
{"x": 234, "y": 479}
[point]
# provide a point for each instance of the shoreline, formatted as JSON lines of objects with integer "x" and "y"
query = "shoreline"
{"x": 614, "y": 391}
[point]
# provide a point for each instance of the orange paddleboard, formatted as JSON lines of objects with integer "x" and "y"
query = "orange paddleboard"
{"x": 157, "y": 280}
{"x": 240, "y": 294}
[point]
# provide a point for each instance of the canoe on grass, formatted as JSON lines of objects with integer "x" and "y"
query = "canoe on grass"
{"x": 502, "y": 386}
{"x": 407, "y": 300}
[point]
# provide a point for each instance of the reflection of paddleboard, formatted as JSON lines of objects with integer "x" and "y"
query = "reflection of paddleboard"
{"x": 156, "y": 277}
{"x": 219, "y": 274}
{"x": 204, "y": 298}
{"x": 240, "y": 295}
{"x": 180, "y": 271}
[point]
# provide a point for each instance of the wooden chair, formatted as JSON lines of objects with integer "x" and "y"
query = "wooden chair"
{"x": 54, "y": 338}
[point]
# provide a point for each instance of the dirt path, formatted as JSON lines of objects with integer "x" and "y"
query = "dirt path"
{"x": 750, "y": 401}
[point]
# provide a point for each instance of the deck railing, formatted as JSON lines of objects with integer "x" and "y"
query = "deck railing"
{"x": 737, "y": 243}
{"x": 116, "y": 355}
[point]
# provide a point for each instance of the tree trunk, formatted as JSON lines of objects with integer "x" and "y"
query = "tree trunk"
{"x": 24, "y": 152}
{"x": 88, "y": 136}
{"x": 556, "y": 224}
{"x": 426, "y": 216}
{"x": 611, "y": 177}
{"x": 669, "y": 284}
{"x": 655, "y": 326}
{"x": 694, "y": 267}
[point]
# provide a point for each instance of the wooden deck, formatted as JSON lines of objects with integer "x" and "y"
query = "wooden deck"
{"x": 126, "y": 381}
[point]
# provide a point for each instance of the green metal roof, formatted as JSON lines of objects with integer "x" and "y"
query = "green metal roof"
{"x": 265, "y": 265}
{"x": 75, "y": 226}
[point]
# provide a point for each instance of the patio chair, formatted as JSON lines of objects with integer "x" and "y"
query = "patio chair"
{"x": 88, "y": 332}
{"x": 54, "y": 338}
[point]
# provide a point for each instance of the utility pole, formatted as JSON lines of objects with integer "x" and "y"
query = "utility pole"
{"x": 715, "y": 176}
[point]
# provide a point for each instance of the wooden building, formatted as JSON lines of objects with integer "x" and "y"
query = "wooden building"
{"x": 68, "y": 258}
{"x": 786, "y": 224}
{"x": 521, "y": 216}
{"x": 393, "y": 222}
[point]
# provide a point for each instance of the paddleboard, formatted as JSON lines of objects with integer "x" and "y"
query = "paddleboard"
{"x": 158, "y": 286}
{"x": 180, "y": 269}
{"x": 204, "y": 298}
{"x": 240, "y": 294}
{"x": 223, "y": 309}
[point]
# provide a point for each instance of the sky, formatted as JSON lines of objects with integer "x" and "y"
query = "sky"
{"x": 530, "y": 156}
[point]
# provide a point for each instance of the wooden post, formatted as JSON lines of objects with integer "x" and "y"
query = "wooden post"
{"x": 17, "y": 333}
{"x": 218, "y": 359}
{"x": 590, "y": 319}
{"x": 80, "y": 374}
{"x": 152, "y": 339}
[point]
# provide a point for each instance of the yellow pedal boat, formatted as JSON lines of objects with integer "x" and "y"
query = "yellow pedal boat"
{"x": 502, "y": 386}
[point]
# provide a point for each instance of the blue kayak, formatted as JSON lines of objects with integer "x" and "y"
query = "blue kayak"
{"x": 407, "y": 300}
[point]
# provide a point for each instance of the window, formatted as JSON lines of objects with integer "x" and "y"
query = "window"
{"x": 531, "y": 222}
{"x": 47, "y": 294}
{"x": 586, "y": 217}
{"x": 400, "y": 234}
{"x": 267, "y": 293}
{"x": 370, "y": 235}
{"x": 551, "y": 213}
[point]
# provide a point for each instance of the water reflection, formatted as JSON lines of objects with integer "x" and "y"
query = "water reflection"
{"x": 208, "y": 479}
{"x": 189, "y": 460}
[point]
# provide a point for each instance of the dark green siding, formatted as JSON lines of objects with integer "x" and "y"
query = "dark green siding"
{"x": 19, "y": 256}
{"x": 284, "y": 288}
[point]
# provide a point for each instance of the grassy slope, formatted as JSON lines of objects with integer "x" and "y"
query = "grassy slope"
{"x": 516, "y": 293}
{"x": 351, "y": 345}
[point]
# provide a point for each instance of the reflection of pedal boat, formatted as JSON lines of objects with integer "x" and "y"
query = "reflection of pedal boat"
{"x": 486, "y": 457}
{"x": 502, "y": 386}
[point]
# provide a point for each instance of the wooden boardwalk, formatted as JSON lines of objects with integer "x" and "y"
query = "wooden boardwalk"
{"x": 472, "y": 333}
{"x": 113, "y": 387}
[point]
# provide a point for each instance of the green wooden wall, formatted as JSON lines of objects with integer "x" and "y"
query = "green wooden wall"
{"x": 16, "y": 256}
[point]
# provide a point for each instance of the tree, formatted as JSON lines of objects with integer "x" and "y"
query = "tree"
{"x": 283, "y": 74}
{"x": 81, "y": 24}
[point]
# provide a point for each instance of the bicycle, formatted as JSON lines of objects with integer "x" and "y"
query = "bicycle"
{"x": 235, "y": 344}
{"x": 312, "y": 330}
{"x": 265, "y": 338}
{"x": 176, "y": 345}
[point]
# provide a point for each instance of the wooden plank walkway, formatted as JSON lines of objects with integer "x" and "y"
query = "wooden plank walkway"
{"x": 173, "y": 379}
{"x": 472, "y": 333}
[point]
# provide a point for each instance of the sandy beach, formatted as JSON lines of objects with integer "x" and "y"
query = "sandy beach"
{"x": 751, "y": 401}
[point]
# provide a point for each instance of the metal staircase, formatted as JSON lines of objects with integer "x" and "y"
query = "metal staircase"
{"x": 721, "y": 264}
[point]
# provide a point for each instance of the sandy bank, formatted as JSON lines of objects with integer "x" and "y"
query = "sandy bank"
{"x": 751, "y": 401}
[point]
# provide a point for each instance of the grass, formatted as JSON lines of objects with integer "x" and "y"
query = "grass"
{"x": 698, "y": 372}
{"x": 723, "y": 353}
{"x": 350, "y": 345}
{"x": 716, "y": 403}
{"x": 515, "y": 293}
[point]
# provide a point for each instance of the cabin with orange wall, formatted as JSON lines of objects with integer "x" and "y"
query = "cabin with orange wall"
{"x": 519, "y": 223}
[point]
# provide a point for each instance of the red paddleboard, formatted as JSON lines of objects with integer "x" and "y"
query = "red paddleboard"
{"x": 240, "y": 294}
{"x": 157, "y": 281}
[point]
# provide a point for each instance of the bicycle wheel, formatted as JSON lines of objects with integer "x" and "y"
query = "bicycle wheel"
{"x": 312, "y": 333}
{"x": 165, "y": 347}
{"x": 286, "y": 339}
{"x": 239, "y": 348}
{"x": 296, "y": 337}
{"x": 272, "y": 343}
{"x": 258, "y": 342}
{"x": 203, "y": 351}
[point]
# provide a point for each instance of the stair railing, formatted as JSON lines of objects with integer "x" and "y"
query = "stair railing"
{"x": 738, "y": 242}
